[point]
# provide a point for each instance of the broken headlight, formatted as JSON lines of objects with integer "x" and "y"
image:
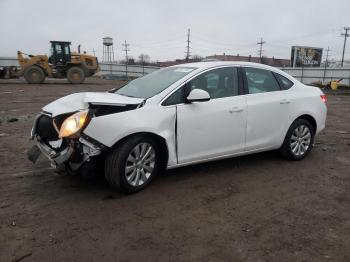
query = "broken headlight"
{"x": 72, "y": 126}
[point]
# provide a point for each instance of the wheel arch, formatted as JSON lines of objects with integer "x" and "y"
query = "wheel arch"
{"x": 161, "y": 142}
{"x": 309, "y": 118}
{"x": 285, "y": 148}
{"x": 304, "y": 116}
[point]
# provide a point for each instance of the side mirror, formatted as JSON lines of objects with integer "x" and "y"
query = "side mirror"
{"x": 198, "y": 95}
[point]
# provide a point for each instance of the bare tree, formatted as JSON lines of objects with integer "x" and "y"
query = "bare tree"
{"x": 196, "y": 57}
{"x": 144, "y": 59}
{"x": 131, "y": 61}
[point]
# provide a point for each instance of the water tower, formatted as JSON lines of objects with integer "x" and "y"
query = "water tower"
{"x": 108, "y": 53}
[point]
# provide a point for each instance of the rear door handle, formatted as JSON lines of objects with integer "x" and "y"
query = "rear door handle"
{"x": 284, "y": 102}
{"x": 235, "y": 110}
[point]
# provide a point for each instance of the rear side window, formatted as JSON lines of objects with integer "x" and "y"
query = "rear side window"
{"x": 284, "y": 82}
{"x": 260, "y": 80}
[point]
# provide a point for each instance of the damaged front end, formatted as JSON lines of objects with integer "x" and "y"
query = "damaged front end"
{"x": 58, "y": 130}
{"x": 65, "y": 153}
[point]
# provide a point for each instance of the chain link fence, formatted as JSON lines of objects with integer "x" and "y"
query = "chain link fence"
{"x": 305, "y": 75}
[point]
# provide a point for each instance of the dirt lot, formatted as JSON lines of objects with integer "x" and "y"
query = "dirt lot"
{"x": 253, "y": 208}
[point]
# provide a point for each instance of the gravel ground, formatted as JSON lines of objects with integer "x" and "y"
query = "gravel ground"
{"x": 253, "y": 208}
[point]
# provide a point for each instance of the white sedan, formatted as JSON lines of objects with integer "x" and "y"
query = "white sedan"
{"x": 178, "y": 116}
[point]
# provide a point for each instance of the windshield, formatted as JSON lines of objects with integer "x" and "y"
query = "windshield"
{"x": 154, "y": 83}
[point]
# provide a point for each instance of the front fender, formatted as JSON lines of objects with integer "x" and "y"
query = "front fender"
{"x": 109, "y": 129}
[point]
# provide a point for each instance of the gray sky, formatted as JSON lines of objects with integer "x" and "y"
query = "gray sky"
{"x": 158, "y": 28}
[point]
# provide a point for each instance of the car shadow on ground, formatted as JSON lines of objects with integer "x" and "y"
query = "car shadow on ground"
{"x": 221, "y": 166}
{"x": 97, "y": 185}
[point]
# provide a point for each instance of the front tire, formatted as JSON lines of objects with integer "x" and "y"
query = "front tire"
{"x": 133, "y": 164}
{"x": 34, "y": 75}
{"x": 299, "y": 140}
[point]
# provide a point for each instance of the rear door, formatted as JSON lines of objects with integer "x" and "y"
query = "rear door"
{"x": 268, "y": 109}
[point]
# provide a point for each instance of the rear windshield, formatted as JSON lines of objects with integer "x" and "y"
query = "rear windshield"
{"x": 154, "y": 83}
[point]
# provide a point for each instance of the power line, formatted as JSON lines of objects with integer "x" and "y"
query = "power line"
{"x": 210, "y": 42}
{"x": 159, "y": 43}
{"x": 346, "y": 35}
{"x": 188, "y": 45}
{"x": 126, "y": 49}
{"x": 261, "y": 45}
{"x": 160, "y": 39}
{"x": 163, "y": 46}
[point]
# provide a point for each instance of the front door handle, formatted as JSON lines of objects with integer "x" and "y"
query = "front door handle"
{"x": 235, "y": 110}
{"x": 284, "y": 102}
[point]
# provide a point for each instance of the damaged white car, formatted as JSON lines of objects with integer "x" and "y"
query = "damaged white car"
{"x": 178, "y": 116}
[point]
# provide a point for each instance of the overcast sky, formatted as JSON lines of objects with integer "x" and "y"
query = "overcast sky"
{"x": 159, "y": 28}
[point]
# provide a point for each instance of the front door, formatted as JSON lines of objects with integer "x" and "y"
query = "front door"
{"x": 214, "y": 128}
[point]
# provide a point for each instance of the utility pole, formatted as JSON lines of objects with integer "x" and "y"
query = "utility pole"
{"x": 345, "y": 36}
{"x": 93, "y": 51}
{"x": 188, "y": 45}
{"x": 326, "y": 64}
{"x": 261, "y": 45}
{"x": 126, "y": 49}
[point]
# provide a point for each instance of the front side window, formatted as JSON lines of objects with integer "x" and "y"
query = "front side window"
{"x": 178, "y": 97}
{"x": 218, "y": 83}
{"x": 260, "y": 80}
{"x": 154, "y": 83}
{"x": 222, "y": 82}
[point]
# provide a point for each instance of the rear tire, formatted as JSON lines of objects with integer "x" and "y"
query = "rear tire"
{"x": 75, "y": 75}
{"x": 299, "y": 140}
{"x": 128, "y": 171}
{"x": 34, "y": 75}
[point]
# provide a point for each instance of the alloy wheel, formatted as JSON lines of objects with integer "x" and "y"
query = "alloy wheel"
{"x": 140, "y": 164}
{"x": 300, "y": 140}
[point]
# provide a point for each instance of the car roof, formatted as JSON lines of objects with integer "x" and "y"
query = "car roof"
{"x": 212, "y": 64}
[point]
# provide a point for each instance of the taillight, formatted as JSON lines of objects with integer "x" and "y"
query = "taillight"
{"x": 323, "y": 98}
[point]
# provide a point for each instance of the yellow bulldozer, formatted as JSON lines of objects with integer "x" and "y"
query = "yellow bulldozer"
{"x": 62, "y": 63}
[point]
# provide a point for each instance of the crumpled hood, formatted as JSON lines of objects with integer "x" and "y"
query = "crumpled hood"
{"x": 80, "y": 101}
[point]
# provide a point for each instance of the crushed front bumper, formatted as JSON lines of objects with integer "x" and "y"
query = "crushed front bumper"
{"x": 82, "y": 151}
{"x": 57, "y": 158}
{"x": 63, "y": 153}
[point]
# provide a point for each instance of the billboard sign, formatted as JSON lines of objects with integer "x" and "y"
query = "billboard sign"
{"x": 303, "y": 56}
